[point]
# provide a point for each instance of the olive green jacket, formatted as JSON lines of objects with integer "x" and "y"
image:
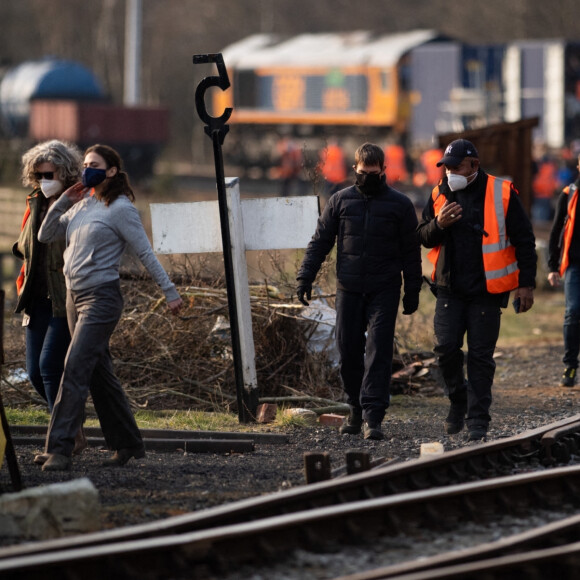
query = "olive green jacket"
{"x": 26, "y": 248}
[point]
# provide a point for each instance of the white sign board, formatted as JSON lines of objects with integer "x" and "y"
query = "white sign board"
{"x": 270, "y": 223}
{"x": 273, "y": 223}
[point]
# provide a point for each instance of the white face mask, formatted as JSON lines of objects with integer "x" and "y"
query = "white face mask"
{"x": 457, "y": 182}
{"x": 50, "y": 187}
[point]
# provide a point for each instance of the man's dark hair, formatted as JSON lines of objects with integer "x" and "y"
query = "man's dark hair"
{"x": 370, "y": 154}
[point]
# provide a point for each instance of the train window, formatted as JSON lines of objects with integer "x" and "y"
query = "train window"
{"x": 245, "y": 89}
{"x": 386, "y": 84}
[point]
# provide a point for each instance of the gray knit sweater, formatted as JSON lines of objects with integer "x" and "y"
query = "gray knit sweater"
{"x": 96, "y": 237}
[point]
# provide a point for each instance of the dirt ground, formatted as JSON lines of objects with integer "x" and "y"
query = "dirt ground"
{"x": 526, "y": 396}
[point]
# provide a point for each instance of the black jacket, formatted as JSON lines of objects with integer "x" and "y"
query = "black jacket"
{"x": 44, "y": 262}
{"x": 555, "y": 244}
{"x": 460, "y": 266}
{"x": 376, "y": 240}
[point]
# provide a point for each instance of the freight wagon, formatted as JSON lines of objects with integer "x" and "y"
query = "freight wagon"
{"x": 58, "y": 99}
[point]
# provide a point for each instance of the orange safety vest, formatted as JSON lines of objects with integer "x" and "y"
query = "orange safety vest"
{"x": 429, "y": 160}
{"x": 22, "y": 273}
{"x": 572, "y": 192}
{"x": 332, "y": 164}
{"x": 499, "y": 256}
{"x": 545, "y": 182}
{"x": 396, "y": 164}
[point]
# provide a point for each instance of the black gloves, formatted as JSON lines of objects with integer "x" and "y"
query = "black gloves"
{"x": 410, "y": 303}
{"x": 304, "y": 288}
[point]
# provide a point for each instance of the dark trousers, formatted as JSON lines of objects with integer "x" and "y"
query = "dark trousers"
{"x": 92, "y": 315}
{"x": 455, "y": 317}
{"x": 365, "y": 330}
{"x": 572, "y": 316}
{"x": 47, "y": 340}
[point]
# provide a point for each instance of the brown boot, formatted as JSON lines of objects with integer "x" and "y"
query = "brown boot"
{"x": 80, "y": 442}
{"x": 41, "y": 459}
{"x": 121, "y": 456}
{"x": 57, "y": 462}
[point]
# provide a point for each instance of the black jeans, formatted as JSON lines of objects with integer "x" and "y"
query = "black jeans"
{"x": 480, "y": 320}
{"x": 93, "y": 315}
{"x": 365, "y": 330}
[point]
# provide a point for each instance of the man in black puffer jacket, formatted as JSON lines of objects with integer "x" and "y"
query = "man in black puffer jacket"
{"x": 374, "y": 227}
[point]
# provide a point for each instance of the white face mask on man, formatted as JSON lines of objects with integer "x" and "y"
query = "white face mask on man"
{"x": 51, "y": 187}
{"x": 458, "y": 182}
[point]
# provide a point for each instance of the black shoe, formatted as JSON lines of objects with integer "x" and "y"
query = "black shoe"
{"x": 569, "y": 377}
{"x": 352, "y": 424}
{"x": 478, "y": 433}
{"x": 456, "y": 418}
{"x": 373, "y": 431}
{"x": 121, "y": 456}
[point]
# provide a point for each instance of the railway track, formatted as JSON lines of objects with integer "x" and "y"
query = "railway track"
{"x": 504, "y": 556}
{"x": 476, "y": 482}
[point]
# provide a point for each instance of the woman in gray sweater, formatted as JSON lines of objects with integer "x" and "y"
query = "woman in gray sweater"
{"x": 98, "y": 220}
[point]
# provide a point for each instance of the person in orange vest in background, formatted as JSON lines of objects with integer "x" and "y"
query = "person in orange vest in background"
{"x": 290, "y": 167}
{"x": 544, "y": 185}
{"x": 396, "y": 161}
{"x": 564, "y": 261}
{"x": 483, "y": 247}
{"x": 433, "y": 172}
{"x": 426, "y": 174}
{"x": 333, "y": 167}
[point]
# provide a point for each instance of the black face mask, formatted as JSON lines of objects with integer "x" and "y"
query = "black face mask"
{"x": 369, "y": 183}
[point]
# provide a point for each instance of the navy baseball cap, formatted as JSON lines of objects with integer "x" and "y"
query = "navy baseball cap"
{"x": 457, "y": 151}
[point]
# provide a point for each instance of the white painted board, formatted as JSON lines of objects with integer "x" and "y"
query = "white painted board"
{"x": 272, "y": 223}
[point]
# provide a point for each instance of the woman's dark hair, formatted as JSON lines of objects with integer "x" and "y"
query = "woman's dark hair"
{"x": 119, "y": 183}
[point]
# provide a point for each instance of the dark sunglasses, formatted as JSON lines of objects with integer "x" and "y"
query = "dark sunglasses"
{"x": 44, "y": 175}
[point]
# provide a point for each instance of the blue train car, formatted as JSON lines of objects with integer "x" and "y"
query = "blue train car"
{"x": 454, "y": 87}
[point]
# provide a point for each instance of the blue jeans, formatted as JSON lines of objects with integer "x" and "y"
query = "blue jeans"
{"x": 47, "y": 340}
{"x": 572, "y": 316}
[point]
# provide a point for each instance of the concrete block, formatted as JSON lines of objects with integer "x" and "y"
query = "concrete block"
{"x": 50, "y": 511}
{"x": 431, "y": 449}
{"x": 331, "y": 419}
{"x": 266, "y": 412}
{"x": 309, "y": 417}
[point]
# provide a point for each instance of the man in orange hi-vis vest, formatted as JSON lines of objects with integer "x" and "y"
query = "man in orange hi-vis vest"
{"x": 396, "y": 160}
{"x": 482, "y": 247}
{"x": 564, "y": 261}
{"x": 333, "y": 168}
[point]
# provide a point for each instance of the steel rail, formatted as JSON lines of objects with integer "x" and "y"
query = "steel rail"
{"x": 223, "y": 549}
{"x": 559, "y": 562}
{"x": 554, "y": 534}
{"x": 482, "y": 461}
{"x": 25, "y": 431}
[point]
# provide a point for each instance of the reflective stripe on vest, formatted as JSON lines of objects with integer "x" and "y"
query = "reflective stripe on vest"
{"x": 572, "y": 192}
{"x": 499, "y": 256}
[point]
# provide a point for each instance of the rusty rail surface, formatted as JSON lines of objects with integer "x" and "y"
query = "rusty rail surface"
{"x": 478, "y": 462}
{"x": 219, "y": 550}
